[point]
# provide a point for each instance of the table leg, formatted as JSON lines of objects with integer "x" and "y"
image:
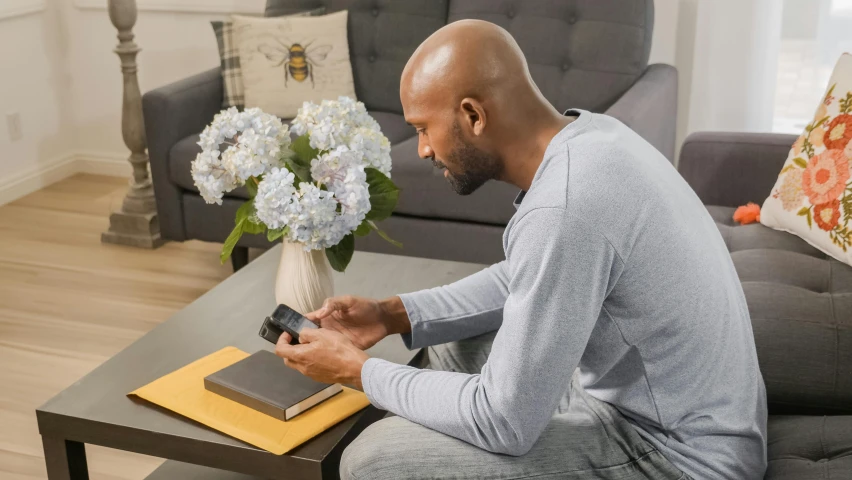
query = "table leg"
{"x": 65, "y": 459}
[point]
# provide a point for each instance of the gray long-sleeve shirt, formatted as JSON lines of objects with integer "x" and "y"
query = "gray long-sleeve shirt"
{"x": 614, "y": 266}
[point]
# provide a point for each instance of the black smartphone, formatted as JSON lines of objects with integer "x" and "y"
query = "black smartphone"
{"x": 284, "y": 319}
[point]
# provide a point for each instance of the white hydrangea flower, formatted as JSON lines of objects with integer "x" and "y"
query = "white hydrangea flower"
{"x": 342, "y": 171}
{"x": 375, "y": 148}
{"x": 331, "y": 124}
{"x": 309, "y": 212}
{"x": 317, "y": 214}
{"x": 257, "y": 150}
{"x": 312, "y": 218}
{"x": 211, "y": 178}
{"x": 275, "y": 193}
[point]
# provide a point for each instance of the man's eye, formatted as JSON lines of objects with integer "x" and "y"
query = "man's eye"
{"x": 421, "y": 131}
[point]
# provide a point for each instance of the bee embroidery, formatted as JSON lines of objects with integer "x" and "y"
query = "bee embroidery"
{"x": 299, "y": 61}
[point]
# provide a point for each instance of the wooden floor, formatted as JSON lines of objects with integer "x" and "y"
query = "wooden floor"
{"x": 68, "y": 303}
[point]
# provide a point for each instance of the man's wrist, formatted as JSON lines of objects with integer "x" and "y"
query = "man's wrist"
{"x": 395, "y": 316}
{"x": 356, "y": 377}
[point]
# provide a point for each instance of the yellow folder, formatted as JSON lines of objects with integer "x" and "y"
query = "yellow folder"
{"x": 182, "y": 391}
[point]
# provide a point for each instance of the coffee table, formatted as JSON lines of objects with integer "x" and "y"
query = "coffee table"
{"x": 96, "y": 410}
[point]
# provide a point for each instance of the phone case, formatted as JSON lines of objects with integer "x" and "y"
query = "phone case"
{"x": 270, "y": 331}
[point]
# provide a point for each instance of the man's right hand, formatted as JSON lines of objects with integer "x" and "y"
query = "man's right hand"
{"x": 363, "y": 320}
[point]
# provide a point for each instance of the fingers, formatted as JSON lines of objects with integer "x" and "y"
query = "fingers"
{"x": 329, "y": 306}
{"x": 285, "y": 337}
{"x": 283, "y": 348}
{"x": 309, "y": 335}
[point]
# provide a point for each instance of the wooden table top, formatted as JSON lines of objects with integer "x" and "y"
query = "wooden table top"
{"x": 96, "y": 409}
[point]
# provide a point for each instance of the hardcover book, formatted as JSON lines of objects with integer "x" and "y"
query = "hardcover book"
{"x": 262, "y": 382}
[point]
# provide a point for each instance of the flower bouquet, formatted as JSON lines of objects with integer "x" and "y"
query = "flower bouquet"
{"x": 319, "y": 191}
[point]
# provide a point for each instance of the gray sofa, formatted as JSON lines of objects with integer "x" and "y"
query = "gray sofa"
{"x": 800, "y": 302}
{"x": 583, "y": 54}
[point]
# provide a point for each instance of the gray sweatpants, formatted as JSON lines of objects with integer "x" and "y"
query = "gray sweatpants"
{"x": 586, "y": 438}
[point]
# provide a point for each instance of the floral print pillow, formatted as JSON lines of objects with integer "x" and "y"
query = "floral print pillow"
{"x": 813, "y": 195}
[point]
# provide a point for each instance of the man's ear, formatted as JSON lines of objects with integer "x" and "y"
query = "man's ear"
{"x": 474, "y": 115}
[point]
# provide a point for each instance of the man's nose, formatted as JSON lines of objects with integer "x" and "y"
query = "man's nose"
{"x": 425, "y": 151}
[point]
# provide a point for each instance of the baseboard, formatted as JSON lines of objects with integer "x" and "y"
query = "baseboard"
{"x": 37, "y": 178}
{"x": 98, "y": 163}
{"x": 60, "y": 168}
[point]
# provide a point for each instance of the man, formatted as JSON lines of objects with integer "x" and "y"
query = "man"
{"x": 613, "y": 269}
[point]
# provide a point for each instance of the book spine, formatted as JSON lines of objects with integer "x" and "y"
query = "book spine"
{"x": 243, "y": 399}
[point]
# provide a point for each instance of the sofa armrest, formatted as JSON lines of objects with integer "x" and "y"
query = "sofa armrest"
{"x": 172, "y": 113}
{"x": 649, "y": 107}
{"x": 732, "y": 169}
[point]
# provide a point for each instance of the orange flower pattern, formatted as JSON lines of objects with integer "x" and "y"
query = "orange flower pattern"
{"x": 825, "y": 177}
{"x": 839, "y": 132}
{"x": 827, "y": 215}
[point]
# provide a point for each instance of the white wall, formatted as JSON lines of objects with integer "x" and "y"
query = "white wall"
{"x": 33, "y": 85}
{"x": 664, "y": 43}
{"x": 174, "y": 45}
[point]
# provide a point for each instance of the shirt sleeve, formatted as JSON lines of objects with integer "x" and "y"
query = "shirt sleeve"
{"x": 560, "y": 271}
{"x": 466, "y": 308}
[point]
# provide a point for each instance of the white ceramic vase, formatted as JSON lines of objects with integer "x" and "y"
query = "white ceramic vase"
{"x": 304, "y": 278}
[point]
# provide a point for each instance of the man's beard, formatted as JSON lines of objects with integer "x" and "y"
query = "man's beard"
{"x": 477, "y": 166}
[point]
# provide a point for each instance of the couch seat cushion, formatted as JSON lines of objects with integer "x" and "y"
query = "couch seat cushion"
{"x": 800, "y": 302}
{"x": 183, "y": 152}
{"x": 809, "y": 447}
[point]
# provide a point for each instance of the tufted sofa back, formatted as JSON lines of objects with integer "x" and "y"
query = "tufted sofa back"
{"x": 581, "y": 53}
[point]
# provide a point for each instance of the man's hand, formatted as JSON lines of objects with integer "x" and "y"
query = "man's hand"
{"x": 363, "y": 321}
{"x": 324, "y": 355}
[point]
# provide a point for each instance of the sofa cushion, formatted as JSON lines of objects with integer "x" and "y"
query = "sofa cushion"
{"x": 183, "y": 152}
{"x": 810, "y": 197}
{"x": 800, "y": 302}
{"x": 809, "y": 447}
{"x": 272, "y": 79}
{"x": 424, "y": 192}
{"x": 581, "y": 54}
{"x": 382, "y": 36}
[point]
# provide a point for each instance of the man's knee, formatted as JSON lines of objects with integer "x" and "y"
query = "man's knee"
{"x": 375, "y": 453}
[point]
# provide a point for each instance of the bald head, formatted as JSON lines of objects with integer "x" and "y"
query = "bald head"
{"x": 469, "y": 58}
{"x": 469, "y": 93}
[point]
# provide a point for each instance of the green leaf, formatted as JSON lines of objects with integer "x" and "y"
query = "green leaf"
{"x": 253, "y": 228}
{"x": 231, "y": 242}
{"x": 245, "y": 211}
{"x": 804, "y": 211}
{"x": 383, "y": 195}
{"x": 800, "y": 162}
{"x": 303, "y": 149}
{"x": 300, "y": 163}
{"x": 251, "y": 186}
{"x": 810, "y": 223}
{"x": 275, "y": 234}
{"x": 385, "y": 235}
{"x": 819, "y": 123}
{"x": 340, "y": 254}
{"x": 364, "y": 229}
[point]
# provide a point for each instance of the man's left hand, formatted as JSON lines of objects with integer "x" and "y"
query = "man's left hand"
{"x": 324, "y": 355}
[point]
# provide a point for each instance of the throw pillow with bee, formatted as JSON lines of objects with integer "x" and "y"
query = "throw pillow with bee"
{"x": 289, "y": 60}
